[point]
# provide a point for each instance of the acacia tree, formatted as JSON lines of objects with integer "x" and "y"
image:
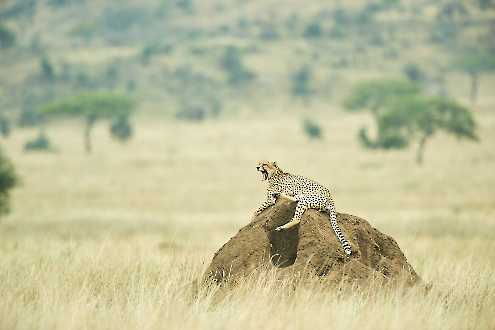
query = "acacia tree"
{"x": 474, "y": 64}
{"x": 403, "y": 116}
{"x": 91, "y": 108}
{"x": 8, "y": 180}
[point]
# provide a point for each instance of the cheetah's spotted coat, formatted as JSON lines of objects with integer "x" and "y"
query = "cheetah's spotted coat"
{"x": 308, "y": 194}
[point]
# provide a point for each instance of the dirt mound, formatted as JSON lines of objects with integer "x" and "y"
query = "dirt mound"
{"x": 310, "y": 247}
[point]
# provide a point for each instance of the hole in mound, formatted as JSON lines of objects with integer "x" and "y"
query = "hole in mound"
{"x": 283, "y": 251}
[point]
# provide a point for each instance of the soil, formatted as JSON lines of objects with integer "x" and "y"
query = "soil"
{"x": 310, "y": 249}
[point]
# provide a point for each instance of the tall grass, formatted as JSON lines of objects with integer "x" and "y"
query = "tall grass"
{"x": 115, "y": 240}
{"x": 114, "y": 285}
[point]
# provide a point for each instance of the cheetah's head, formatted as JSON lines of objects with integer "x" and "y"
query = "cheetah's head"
{"x": 268, "y": 169}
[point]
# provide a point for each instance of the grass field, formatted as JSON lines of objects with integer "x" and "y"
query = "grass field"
{"x": 112, "y": 240}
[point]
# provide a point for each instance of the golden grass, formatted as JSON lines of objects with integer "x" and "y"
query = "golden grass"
{"x": 112, "y": 240}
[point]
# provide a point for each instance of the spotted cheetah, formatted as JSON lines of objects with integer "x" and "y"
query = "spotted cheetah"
{"x": 308, "y": 194}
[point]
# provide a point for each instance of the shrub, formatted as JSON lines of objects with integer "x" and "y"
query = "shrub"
{"x": 413, "y": 72}
{"x": 39, "y": 143}
{"x": 121, "y": 129}
{"x": 7, "y": 37}
{"x": 191, "y": 113}
{"x": 312, "y": 129}
{"x": 301, "y": 82}
{"x": 153, "y": 49}
{"x": 8, "y": 180}
{"x": 199, "y": 109}
{"x": 4, "y": 126}
{"x": 385, "y": 140}
{"x": 313, "y": 30}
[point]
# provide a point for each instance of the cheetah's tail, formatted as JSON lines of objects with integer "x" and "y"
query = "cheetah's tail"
{"x": 333, "y": 222}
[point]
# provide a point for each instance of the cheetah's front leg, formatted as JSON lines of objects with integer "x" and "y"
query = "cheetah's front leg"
{"x": 270, "y": 200}
{"x": 300, "y": 208}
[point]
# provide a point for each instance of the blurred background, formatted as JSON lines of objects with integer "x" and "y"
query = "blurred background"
{"x": 144, "y": 120}
{"x": 130, "y": 131}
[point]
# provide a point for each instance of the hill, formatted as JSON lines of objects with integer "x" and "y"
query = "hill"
{"x": 201, "y": 58}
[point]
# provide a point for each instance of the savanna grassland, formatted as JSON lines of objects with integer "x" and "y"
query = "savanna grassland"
{"x": 112, "y": 240}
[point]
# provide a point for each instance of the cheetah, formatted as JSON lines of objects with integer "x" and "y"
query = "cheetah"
{"x": 308, "y": 194}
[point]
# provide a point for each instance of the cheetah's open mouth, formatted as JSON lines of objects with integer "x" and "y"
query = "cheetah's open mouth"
{"x": 263, "y": 172}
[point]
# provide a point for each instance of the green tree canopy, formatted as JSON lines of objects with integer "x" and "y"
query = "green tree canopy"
{"x": 91, "y": 107}
{"x": 403, "y": 115}
{"x": 94, "y": 105}
{"x": 374, "y": 94}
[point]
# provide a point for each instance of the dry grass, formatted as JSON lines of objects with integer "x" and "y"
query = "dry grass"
{"x": 112, "y": 240}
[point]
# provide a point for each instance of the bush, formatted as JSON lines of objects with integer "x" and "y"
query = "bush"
{"x": 153, "y": 49}
{"x": 413, "y": 72}
{"x": 192, "y": 113}
{"x": 313, "y": 30}
{"x": 199, "y": 110}
{"x": 39, "y": 143}
{"x": 121, "y": 129}
{"x": 4, "y": 126}
{"x": 301, "y": 81}
{"x": 312, "y": 129}
{"x": 8, "y": 180}
{"x": 385, "y": 140}
{"x": 7, "y": 37}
